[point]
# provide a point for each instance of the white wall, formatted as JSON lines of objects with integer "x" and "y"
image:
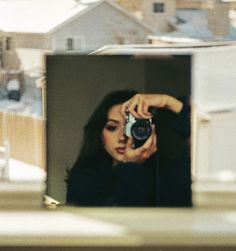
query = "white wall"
{"x": 101, "y": 26}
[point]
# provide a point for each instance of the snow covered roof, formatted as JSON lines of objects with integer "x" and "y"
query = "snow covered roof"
{"x": 194, "y": 24}
{"x": 43, "y": 16}
{"x": 39, "y": 16}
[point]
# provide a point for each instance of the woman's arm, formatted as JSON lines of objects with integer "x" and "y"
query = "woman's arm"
{"x": 174, "y": 173}
{"x": 182, "y": 122}
{"x": 139, "y": 105}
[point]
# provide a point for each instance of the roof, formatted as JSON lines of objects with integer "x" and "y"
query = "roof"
{"x": 38, "y": 16}
{"x": 194, "y": 24}
{"x": 153, "y": 49}
{"x": 43, "y": 16}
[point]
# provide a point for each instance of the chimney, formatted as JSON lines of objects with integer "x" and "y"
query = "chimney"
{"x": 218, "y": 17}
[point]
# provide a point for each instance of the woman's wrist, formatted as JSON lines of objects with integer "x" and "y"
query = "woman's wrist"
{"x": 173, "y": 104}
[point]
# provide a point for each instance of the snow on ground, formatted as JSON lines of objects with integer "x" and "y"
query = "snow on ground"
{"x": 22, "y": 171}
{"x": 26, "y": 106}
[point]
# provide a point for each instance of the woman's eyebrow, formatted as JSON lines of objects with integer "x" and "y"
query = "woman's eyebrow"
{"x": 113, "y": 120}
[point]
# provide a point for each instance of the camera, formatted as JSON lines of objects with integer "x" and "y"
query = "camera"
{"x": 139, "y": 129}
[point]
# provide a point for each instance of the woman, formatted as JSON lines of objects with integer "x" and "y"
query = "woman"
{"x": 109, "y": 171}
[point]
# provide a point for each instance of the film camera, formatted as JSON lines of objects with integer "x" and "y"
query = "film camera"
{"x": 139, "y": 129}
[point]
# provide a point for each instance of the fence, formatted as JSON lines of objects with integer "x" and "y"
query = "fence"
{"x": 26, "y": 136}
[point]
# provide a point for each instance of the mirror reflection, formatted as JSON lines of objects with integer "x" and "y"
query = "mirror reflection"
{"x": 120, "y": 127}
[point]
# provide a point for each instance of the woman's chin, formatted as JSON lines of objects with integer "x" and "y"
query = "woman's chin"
{"x": 118, "y": 160}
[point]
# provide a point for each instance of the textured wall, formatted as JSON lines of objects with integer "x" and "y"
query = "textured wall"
{"x": 158, "y": 21}
{"x": 219, "y": 18}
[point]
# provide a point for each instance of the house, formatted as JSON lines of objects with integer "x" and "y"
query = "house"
{"x": 101, "y": 23}
{"x": 75, "y": 26}
{"x": 157, "y": 13}
{"x": 154, "y": 13}
{"x": 196, "y": 19}
{"x": 62, "y": 26}
{"x": 30, "y": 29}
{"x": 209, "y": 23}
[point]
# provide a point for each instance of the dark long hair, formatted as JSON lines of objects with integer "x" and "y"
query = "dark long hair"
{"x": 92, "y": 153}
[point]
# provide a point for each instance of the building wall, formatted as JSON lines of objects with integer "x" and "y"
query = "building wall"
{"x": 135, "y": 5}
{"x": 198, "y": 4}
{"x": 158, "y": 21}
{"x": 233, "y": 5}
{"x": 101, "y": 26}
{"x": 131, "y": 5}
{"x": 190, "y": 4}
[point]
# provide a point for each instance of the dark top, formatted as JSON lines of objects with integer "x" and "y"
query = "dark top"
{"x": 166, "y": 183}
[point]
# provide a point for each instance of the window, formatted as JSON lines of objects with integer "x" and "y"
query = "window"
{"x": 80, "y": 43}
{"x": 76, "y": 43}
{"x": 159, "y": 7}
{"x": 8, "y": 43}
{"x": 70, "y": 44}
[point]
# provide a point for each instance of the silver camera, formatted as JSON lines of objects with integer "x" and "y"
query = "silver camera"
{"x": 139, "y": 129}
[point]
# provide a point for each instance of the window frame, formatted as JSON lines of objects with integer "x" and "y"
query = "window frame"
{"x": 78, "y": 43}
{"x": 8, "y": 43}
{"x": 69, "y": 44}
{"x": 159, "y": 7}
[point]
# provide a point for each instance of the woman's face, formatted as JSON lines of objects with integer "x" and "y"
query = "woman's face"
{"x": 113, "y": 134}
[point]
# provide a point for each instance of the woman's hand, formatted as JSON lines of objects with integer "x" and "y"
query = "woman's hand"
{"x": 141, "y": 154}
{"x": 139, "y": 104}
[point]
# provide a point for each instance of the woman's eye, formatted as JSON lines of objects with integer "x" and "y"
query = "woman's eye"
{"x": 111, "y": 128}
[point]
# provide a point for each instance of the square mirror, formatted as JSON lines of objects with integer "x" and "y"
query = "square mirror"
{"x": 76, "y": 84}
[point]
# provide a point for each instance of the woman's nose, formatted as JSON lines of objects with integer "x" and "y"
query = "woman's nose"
{"x": 122, "y": 137}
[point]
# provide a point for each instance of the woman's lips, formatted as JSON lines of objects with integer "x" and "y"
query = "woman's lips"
{"x": 120, "y": 150}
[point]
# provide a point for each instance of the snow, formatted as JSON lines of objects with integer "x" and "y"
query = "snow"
{"x": 38, "y": 16}
{"x": 19, "y": 170}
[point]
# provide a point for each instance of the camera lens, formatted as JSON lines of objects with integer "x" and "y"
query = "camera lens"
{"x": 141, "y": 130}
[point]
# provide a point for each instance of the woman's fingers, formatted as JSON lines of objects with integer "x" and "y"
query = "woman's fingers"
{"x": 149, "y": 147}
{"x": 142, "y": 110}
{"x": 153, "y": 147}
{"x": 145, "y": 110}
{"x": 140, "y": 154}
{"x": 125, "y": 107}
{"x": 129, "y": 144}
{"x": 137, "y": 106}
{"x": 134, "y": 106}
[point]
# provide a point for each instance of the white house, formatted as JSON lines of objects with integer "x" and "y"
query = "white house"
{"x": 97, "y": 24}
{"x": 31, "y": 28}
{"x": 28, "y": 28}
{"x": 196, "y": 19}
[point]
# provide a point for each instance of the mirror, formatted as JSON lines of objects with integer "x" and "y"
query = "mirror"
{"x": 76, "y": 84}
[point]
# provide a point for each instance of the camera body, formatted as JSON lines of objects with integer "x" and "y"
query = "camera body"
{"x": 139, "y": 129}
